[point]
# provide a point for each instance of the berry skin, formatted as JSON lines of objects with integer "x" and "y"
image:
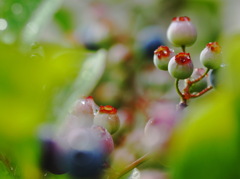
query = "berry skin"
{"x": 86, "y": 163}
{"x": 53, "y": 158}
{"x": 211, "y": 56}
{"x": 181, "y": 32}
{"x": 107, "y": 117}
{"x": 103, "y": 139}
{"x": 158, "y": 129}
{"x": 161, "y": 57}
{"x": 200, "y": 85}
{"x": 180, "y": 66}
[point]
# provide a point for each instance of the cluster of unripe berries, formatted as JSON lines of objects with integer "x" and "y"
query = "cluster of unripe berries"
{"x": 182, "y": 33}
{"x": 81, "y": 147}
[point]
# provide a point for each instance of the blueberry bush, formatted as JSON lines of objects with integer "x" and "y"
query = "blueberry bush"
{"x": 119, "y": 89}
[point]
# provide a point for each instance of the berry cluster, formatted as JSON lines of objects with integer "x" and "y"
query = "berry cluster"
{"x": 182, "y": 33}
{"x": 83, "y": 144}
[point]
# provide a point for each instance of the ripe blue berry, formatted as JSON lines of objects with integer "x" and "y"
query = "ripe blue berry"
{"x": 181, "y": 32}
{"x": 86, "y": 163}
{"x": 161, "y": 57}
{"x": 211, "y": 56}
{"x": 180, "y": 66}
{"x": 53, "y": 158}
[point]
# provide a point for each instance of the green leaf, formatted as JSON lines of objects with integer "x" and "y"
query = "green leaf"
{"x": 87, "y": 79}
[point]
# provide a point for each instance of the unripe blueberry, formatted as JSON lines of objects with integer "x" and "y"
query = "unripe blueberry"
{"x": 84, "y": 106}
{"x": 200, "y": 85}
{"x": 181, "y": 66}
{"x": 211, "y": 56}
{"x": 107, "y": 117}
{"x": 181, "y": 32}
{"x": 161, "y": 57}
{"x": 158, "y": 129}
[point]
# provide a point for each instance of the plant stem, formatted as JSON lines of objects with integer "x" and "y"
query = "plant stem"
{"x": 201, "y": 77}
{"x": 178, "y": 90}
{"x": 183, "y": 48}
{"x": 201, "y": 92}
{"x": 133, "y": 165}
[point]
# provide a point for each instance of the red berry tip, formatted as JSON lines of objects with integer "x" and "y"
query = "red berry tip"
{"x": 89, "y": 97}
{"x": 181, "y": 18}
{"x": 183, "y": 58}
{"x": 214, "y": 46}
{"x": 162, "y": 51}
{"x": 108, "y": 109}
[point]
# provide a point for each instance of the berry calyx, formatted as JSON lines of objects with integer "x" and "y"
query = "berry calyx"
{"x": 161, "y": 57}
{"x": 182, "y": 18}
{"x": 162, "y": 51}
{"x": 183, "y": 58}
{"x": 214, "y": 47}
{"x": 107, "y": 109}
{"x": 181, "y": 66}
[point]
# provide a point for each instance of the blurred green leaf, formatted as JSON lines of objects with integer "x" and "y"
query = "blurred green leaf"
{"x": 206, "y": 146}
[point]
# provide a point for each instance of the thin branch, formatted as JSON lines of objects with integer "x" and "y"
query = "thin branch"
{"x": 201, "y": 92}
{"x": 133, "y": 165}
{"x": 178, "y": 90}
{"x": 201, "y": 77}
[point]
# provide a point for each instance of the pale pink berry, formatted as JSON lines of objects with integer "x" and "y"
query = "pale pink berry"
{"x": 211, "y": 56}
{"x": 103, "y": 138}
{"x": 181, "y": 32}
{"x": 161, "y": 57}
{"x": 161, "y": 124}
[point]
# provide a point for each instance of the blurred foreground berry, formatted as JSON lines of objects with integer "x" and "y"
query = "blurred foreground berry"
{"x": 85, "y": 164}
{"x": 53, "y": 157}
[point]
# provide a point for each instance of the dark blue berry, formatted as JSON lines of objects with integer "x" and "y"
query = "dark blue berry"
{"x": 53, "y": 158}
{"x": 86, "y": 164}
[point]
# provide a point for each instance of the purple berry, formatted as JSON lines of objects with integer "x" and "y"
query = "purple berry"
{"x": 53, "y": 158}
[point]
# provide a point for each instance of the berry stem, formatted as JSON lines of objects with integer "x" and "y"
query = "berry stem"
{"x": 201, "y": 92}
{"x": 183, "y": 48}
{"x": 201, "y": 77}
{"x": 133, "y": 165}
{"x": 178, "y": 90}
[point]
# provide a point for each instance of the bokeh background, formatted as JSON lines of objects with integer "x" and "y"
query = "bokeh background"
{"x": 54, "y": 51}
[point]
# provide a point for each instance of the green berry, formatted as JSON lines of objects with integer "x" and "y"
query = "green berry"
{"x": 181, "y": 66}
{"x": 211, "y": 56}
{"x": 107, "y": 117}
{"x": 162, "y": 56}
{"x": 181, "y": 32}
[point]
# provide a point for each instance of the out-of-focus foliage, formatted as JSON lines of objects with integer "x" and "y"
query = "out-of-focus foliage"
{"x": 32, "y": 90}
